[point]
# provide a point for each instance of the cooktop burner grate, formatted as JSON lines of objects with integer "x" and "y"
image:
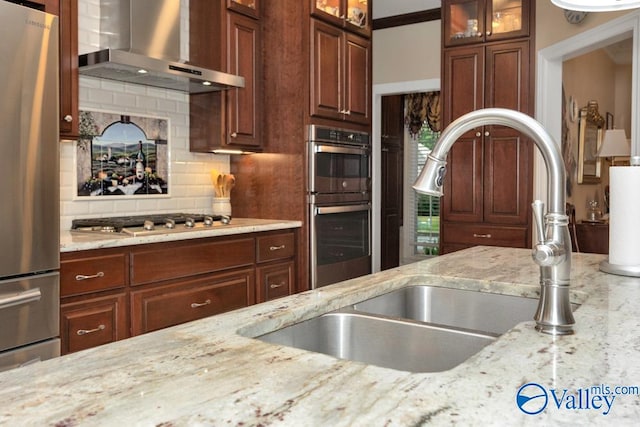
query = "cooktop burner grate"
{"x": 120, "y": 222}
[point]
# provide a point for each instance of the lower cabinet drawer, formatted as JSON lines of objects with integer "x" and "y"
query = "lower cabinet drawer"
{"x": 92, "y": 273}
{"x": 276, "y": 246}
{"x": 93, "y": 322}
{"x": 275, "y": 281}
{"x": 162, "y": 306}
{"x": 475, "y": 235}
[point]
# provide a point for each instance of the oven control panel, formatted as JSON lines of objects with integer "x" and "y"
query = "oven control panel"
{"x": 340, "y": 136}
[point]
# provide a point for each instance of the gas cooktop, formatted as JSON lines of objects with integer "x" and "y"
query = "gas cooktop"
{"x": 141, "y": 225}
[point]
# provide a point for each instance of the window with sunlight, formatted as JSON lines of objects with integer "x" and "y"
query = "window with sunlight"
{"x": 427, "y": 208}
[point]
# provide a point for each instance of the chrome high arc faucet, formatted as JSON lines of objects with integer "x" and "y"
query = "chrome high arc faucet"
{"x": 552, "y": 252}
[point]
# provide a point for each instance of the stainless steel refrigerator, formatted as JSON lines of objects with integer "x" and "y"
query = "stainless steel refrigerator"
{"x": 29, "y": 186}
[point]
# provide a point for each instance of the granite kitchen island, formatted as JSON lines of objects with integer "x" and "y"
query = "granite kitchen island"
{"x": 211, "y": 372}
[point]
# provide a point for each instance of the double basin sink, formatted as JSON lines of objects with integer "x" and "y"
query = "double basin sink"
{"x": 415, "y": 329}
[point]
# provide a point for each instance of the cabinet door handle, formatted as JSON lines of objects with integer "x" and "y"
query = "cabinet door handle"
{"x": 482, "y": 236}
{"x": 276, "y": 248}
{"x": 80, "y": 277}
{"x": 68, "y": 118}
{"x": 90, "y": 331}
{"x": 234, "y": 135}
{"x": 486, "y": 133}
{"x": 347, "y": 112}
{"x": 196, "y": 304}
{"x": 478, "y": 134}
{"x": 488, "y": 33}
{"x": 277, "y": 285}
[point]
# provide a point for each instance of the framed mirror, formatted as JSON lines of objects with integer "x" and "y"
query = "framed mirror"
{"x": 589, "y": 141}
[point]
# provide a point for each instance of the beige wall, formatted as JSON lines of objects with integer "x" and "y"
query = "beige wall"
{"x": 407, "y": 53}
{"x": 552, "y": 27}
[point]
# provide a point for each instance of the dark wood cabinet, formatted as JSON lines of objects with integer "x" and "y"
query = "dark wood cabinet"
{"x": 67, "y": 11}
{"x": 223, "y": 39}
{"x": 155, "y": 263}
{"x": 93, "y": 306}
{"x": 489, "y": 183}
{"x": 392, "y": 119}
{"x": 158, "y": 307}
{"x": 94, "y": 321}
{"x": 276, "y": 266}
{"x": 480, "y": 21}
{"x": 351, "y": 15}
{"x": 590, "y": 237}
{"x": 275, "y": 281}
{"x": 340, "y": 74}
{"x": 392, "y": 165}
{"x": 111, "y": 294}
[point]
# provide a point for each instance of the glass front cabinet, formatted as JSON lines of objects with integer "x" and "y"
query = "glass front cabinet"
{"x": 479, "y": 21}
{"x": 246, "y": 7}
{"x": 354, "y": 15}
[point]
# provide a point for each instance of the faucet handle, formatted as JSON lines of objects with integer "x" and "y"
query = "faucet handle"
{"x": 538, "y": 218}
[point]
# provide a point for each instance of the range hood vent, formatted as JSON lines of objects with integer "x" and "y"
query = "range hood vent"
{"x": 146, "y": 44}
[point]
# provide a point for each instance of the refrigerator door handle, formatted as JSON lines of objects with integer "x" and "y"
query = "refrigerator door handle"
{"x": 19, "y": 298}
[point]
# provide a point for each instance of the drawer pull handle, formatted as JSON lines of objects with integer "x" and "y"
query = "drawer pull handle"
{"x": 90, "y": 331}
{"x": 80, "y": 277}
{"x": 196, "y": 304}
{"x": 276, "y": 286}
{"x": 276, "y": 248}
{"x": 19, "y": 298}
{"x": 482, "y": 236}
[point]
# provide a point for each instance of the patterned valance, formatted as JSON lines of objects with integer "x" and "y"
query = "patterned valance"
{"x": 423, "y": 107}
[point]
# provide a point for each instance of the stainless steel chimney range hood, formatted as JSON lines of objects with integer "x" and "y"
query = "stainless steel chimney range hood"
{"x": 144, "y": 39}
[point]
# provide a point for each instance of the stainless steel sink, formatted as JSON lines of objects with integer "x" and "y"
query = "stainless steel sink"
{"x": 416, "y": 329}
{"x": 480, "y": 311}
{"x": 389, "y": 343}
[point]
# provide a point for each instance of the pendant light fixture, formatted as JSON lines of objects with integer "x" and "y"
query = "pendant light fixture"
{"x": 597, "y": 6}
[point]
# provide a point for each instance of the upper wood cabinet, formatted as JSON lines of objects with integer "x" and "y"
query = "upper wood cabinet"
{"x": 489, "y": 168}
{"x": 67, "y": 11}
{"x": 340, "y": 74}
{"x": 477, "y": 21}
{"x": 352, "y": 15}
{"x": 229, "y": 41}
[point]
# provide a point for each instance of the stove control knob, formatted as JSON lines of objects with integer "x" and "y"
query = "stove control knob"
{"x": 189, "y": 222}
{"x": 148, "y": 225}
{"x": 208, "y": 220}
{"x": 169, "y": 223}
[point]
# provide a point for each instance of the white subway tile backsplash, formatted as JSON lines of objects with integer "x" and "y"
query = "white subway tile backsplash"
{"x": 189, "y": 182}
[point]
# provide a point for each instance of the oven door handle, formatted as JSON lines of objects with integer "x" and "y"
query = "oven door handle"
{"x": 342, "y": 209}
{"x": 322, "y": 148}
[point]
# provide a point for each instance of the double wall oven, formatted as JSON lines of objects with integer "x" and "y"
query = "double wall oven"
{"x": 340, "y": 204}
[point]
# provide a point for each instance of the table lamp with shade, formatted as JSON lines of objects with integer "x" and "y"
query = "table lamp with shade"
{"x": 615, "y": 144}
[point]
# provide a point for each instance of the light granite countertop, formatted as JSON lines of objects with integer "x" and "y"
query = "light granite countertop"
{"x": 73, "y": 241}
{"x": 210, "y": 372}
